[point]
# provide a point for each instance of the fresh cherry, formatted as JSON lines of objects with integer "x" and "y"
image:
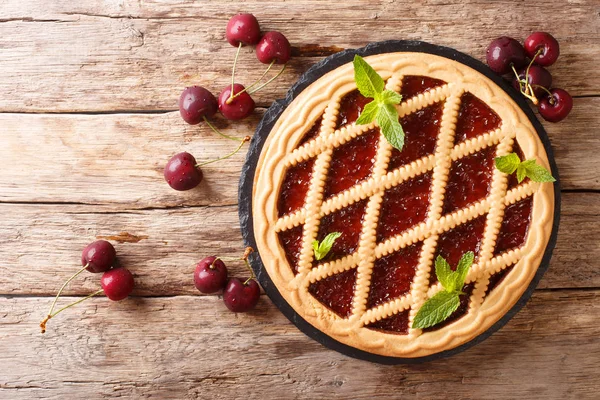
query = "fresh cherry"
{"x": 536, "y": 76}
{"x": 555, "y": 107}
{"x": 197, "y": 103}
{"x": 239, "y": 107}
{"x": 181, "y": 172}
{"x": 98, "y": 256}
{"x": 273, "y": 47}
{"x": 244, "y": 29}
{"x": 241, "y": 296}
{"x": 504, "y": 52}
{"x": 210, "y": 275}
{"x": 545, "y": 44}
{"x": 117, "y": 283}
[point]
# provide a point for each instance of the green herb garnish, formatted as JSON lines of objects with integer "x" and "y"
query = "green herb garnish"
{"x": 529, "y": 168}
{"x": 382, "y": 109}
{"x": 438, "y": 308}
{"x": 321, "y": 249}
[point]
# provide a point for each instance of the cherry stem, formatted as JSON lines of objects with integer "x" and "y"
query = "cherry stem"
{"x": 244, "y": 258}
{"x": 551, "y": 100}
{"x": 237, "y": 53}
{"x": 64, "y": 286}
{"x": 244, "y": 140}
{"x": 269, "y": 81}
{"x": 52, "y": 315}
{"x": 218, "y": 132}
{"x": 233, "y": 96}
{"x": 524, "y": 86}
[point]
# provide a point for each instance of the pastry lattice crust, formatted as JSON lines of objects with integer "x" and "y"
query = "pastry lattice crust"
{"x": 322, "y": 98}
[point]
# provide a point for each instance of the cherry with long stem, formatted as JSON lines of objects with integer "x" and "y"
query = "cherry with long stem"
{"x": 524, "y": 85}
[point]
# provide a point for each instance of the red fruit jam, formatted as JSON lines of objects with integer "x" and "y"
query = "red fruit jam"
{"x": 336, "y": 292}
{"x": 513, "y": 232}
{"x": 413, "y": 85}
{"x": 404, "y": 206}
{"x": 295, "y": 186}
{"x": 351, "y": 106}
{"x": 393, "y": 274}
{"x": 474, "y": 118}
{"x": 460, "y": 312}
{"x": 396, "y": 323}
{"x": 512, "y": 178}
{"x": 291, "y": 241}
{"x": 497, "y": 278}
{"x": 312, "y": 133}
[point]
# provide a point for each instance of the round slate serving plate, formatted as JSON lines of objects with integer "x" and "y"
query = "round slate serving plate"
{"x": 264, "y": 128}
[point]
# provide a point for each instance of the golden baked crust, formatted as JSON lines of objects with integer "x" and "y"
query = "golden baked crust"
{"x": 322, "y": 98}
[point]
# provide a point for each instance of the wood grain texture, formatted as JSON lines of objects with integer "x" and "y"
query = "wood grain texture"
{"x": 189, "y": 347}
{"x": 131, "y": 55}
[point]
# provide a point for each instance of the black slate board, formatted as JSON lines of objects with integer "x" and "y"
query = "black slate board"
{"x": 266, "y": 124}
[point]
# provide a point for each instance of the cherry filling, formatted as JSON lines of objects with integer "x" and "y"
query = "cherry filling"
{"x": 474, "y": 118}
{"x": 393, "y": 274}
{"x": 295, "y": 186}
{"x": 469, "y": 180}
{"x": 291, "y": 241}
{"x": 513, "y": 232}
{"x": 497, "y": 278}
{"x": 421, "y": 130}
{"x": 351, "y": 163}
{"x": 404, "y": 206}
{"x": 351, "y": 105}
{"x": 336, "y": 292}
{"x": 312, "y": 133}
{"x": 460, "y": 312}
{"x": 512, "y": 178}
{"x": 396, "y": 323}
{"x": 413, "y": 85}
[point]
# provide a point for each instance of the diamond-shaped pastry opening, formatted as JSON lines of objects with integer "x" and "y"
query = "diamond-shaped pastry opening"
{"x": 347, "y": 221}
{"x": 460, "y": 312}
{"x": 515, "y": 225}
{"x": 474, "y": 118}
{"x": 351, "y": 105}
{"x": 421, "y": 130}
{"x": 351, "y": 163}
{"x": 336, "y": 292}
{"x": 469, "y": 180}
{"x": 404, "y": 206}
{"x": 413, "y": 85}
{"x": 291, "y": 241}
{"x": 456, "y": 242}
{"x": 295, "y": 187}
{"x": 395, "y": 323}
{"x": 497, "y": 278}
{"x": 393, "y": 274}
{"x": 312, "y": 133}
{"x": 512, "y": 178}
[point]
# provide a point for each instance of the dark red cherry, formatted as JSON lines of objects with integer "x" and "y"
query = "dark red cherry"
{"x": 240, "y": 297}
{"x": 117, "y": 283}
{"x": 99, "y": 256}
{"x": 536, "y": 76}
{"x": 195, "y": 103}
{"x": 181, "y": 172}
{"x": 210, "y": 275}
{"x": 545, "y": 42}
{"x": 240, "y": 107}
{"x": 243, "y": 28}
{"x": 273, "y": 46}
{"x": 555, "y": 108}
{"x": 503, "y": 52}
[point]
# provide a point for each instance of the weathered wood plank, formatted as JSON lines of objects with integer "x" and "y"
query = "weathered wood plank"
{"x": 131, "y": 55}
{"x": 40, "y": 245}
{"x": 190, "y": 347}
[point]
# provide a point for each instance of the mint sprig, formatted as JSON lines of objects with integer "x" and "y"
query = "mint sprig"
{"x": 321, "y": 249}
{"x": 438, "y": 308}
{"x": 382, "y": 109}
{"x": 529, "y": 168}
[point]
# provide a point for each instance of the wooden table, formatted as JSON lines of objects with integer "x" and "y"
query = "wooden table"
{"x": 87, "y": 122}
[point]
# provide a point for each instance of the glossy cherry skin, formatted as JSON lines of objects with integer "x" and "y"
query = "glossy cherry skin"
{"x": 504, "y": 52}
{"x": 117, "y": 283}
{"x": 99, "y": 256}
{"x": 195, "y": 103}
{"x": 243, "y": 28}
{"x": 239, "y": 297}
{"x": 181, "y": 172}
{"x": 550, "y": 50}
{"x": 210, "y": 275}
{"x": 273, "y": 46}
{"x": 240, "y": 107}
{"x": 555, "y": 108}
{"x": 536, "y": 76}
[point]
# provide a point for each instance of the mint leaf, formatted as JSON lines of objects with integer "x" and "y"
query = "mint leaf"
{"x": 321, "y": 249}
{"x": 444, "y": 274}
{"x": 368, "y": 113}
{"x": 436, "y": 309}
{"x": 390, "y": 97}
{"x": 368, "y": 81}
{"x": 521, "y": 173}
{"x": 462, "y": 269}
{"x": 390, "y": 127}
{"x": 536, "y": 172}
{"x": 508, "y": 163}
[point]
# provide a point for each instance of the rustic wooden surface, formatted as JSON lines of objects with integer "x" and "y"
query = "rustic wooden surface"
{"x": 88, "y": 119}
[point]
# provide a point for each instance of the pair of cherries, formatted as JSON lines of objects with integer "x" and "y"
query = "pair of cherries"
{"x": 506, "y": 55}
{"x": 117, "y": 282}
